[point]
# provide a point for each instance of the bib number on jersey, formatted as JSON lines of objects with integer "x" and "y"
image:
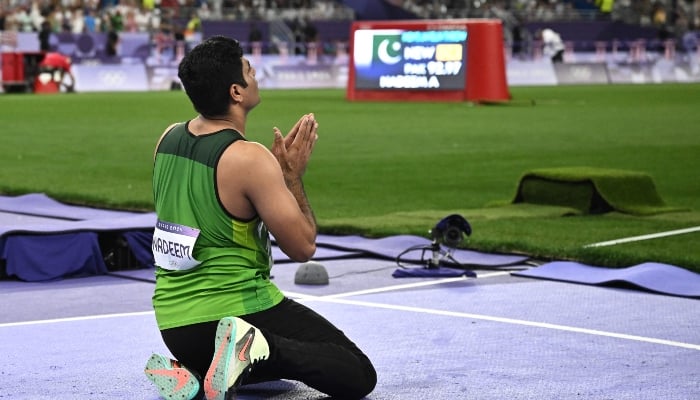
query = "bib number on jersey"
{"x": 173, "y": 245}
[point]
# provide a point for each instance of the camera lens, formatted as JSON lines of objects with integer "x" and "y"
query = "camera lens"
{"x": 452, "y": 237}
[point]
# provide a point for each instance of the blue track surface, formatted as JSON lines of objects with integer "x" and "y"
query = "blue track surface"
{"x": 498, "y": 336}
{"x": 493, "y": 337}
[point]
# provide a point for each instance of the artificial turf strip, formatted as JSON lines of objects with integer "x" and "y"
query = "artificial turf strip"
{"x": 592, "y": 190}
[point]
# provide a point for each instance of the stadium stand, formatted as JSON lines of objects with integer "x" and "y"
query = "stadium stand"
{"x": 666, "y": 18}
{"x": 157, "y": 32}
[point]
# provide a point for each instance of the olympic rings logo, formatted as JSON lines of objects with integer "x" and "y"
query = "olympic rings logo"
{"x": 112, "y": 78}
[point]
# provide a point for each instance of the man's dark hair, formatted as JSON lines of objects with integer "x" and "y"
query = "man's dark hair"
{"x": 208, "y": 71}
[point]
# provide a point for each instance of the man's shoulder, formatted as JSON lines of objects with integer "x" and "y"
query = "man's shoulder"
{"x": 249, "y": 155}
{"x": 246, "y": 148}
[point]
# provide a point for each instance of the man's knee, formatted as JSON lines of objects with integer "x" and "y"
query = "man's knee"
{"x": 362, "y": 387}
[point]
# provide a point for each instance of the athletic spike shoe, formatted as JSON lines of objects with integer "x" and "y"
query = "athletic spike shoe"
{"x": 174, "y": 382}
{"x": 238, "y": 346}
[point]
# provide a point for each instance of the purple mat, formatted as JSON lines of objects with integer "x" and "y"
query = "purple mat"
{"x": 60, "y": 240}
{"x": 38, "y": 204}
{"x": 117, "y": 222}
{"x": 655, "y": 277}
{"x": 440, "y": 272}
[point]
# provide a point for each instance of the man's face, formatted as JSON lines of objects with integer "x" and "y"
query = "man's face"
{"x": 252, "y": 97}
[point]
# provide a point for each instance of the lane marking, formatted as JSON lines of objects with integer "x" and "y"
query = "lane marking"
{"x": 511, "y": 321}
{"x": 71, "y": 319}
{"x": 397, "y": 287}
{"x": 644, "y": 237}
{"x": 291, "y": 294}
{"x": 337, "y": 299}
{"x": 494, "y": 274}
{"x": 410, "y": 285}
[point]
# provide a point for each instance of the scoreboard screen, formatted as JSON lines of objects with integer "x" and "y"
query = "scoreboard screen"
{"x": 400, "y": 59}
{"x": 427, "y": 60}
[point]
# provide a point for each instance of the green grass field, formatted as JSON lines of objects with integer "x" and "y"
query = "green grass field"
{"x": 397, "y": 168}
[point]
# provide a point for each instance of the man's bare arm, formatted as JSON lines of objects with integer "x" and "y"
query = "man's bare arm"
{"x": 293, "y": 153}
{"x": 254, "y": 180}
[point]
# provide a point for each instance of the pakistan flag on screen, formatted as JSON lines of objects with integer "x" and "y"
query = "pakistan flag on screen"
{"x": 398, "y": 59}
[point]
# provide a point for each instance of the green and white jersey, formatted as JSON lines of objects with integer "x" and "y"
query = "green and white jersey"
{"x": 209, "y": 264}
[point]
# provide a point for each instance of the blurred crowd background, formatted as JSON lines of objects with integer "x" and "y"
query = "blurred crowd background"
{"x": 78, "y": 16}
{"x": 325, "y": 22}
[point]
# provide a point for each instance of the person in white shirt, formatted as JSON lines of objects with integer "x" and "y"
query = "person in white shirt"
{"x": 553, "y": 46}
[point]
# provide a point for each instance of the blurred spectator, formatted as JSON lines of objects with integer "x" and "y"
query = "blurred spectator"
{"x": 194, "y": 24}
{"x": 3, "y": 17}
{"x": 148, "y": 5}
{"x": 45, "y": 36}
{"x": 179, "y": 43}
{"x": 130, "y": 23}
{"x": 78, "y": 21}
{"x": 255, "y": 38}
{"x": 170, "y": 6}
{"x": 111, "y": 48}
{"x": 89, "y": 21}
{"x": 59, "y": 66}
{"x": 66, "y": 20}
{"x": 690, "y": 42}
{"x": 661, "y": 22}
{"x": 163, "y": 41}
{"x": 512, "y": 34}
{"x": 552, "y": 45}
{"x": 143, "y": 18}
{"x": 310, "y": 31}
{"x": 658, "y": 14}
{"x": 674, "y": 19}
{"x": 116, "y": 21}
{"x": 605, "y": 7}
{"x": 23, "y": 20}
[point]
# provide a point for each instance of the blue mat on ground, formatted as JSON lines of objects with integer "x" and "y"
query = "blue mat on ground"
{"x": 47, "y": 257}
{"x": 42, "y": 239}
{"x": 655, "y": 277}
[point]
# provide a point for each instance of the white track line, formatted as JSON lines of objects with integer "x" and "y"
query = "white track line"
{"x": 645, "y": 237}
{"x": 399, "y": 287}
{"x": 291, "y": 294}
{"x": 494, "y": 274}
{"x": 336, "y": 298}
{"x": 71, "y": 319}
{"x": 506, "y": 320}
